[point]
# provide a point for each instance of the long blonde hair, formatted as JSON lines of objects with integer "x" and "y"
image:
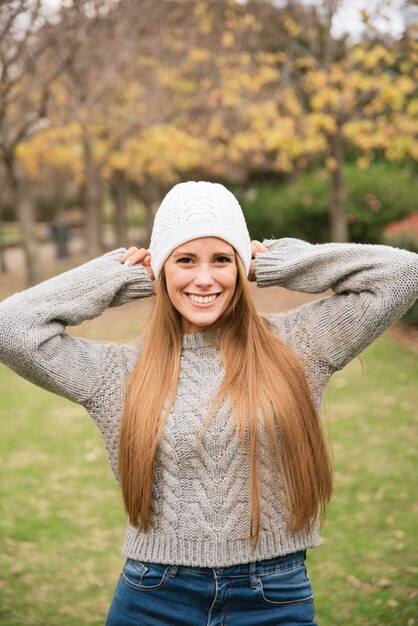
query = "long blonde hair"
{"x": 262, "y": 376}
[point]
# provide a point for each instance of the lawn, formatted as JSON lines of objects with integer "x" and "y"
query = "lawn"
{"x": 62, "y": 523}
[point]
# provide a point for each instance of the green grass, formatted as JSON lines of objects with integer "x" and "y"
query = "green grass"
{"x": 10, "y": 235}
{"x": 366, "y": 571}
{"x": 62, "y": 523}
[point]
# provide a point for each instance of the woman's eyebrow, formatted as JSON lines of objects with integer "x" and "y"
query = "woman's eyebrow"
{"x": 192, "y": 254}
{"x": 177, "y": 254}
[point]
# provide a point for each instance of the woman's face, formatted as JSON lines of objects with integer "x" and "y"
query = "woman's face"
{"x": 201, "y": 276}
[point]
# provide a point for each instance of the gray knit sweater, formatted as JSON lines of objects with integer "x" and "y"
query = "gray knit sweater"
{"x": 201, "y": 491}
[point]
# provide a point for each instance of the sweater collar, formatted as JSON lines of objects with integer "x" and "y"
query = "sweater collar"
{"x": 201, "y": 339}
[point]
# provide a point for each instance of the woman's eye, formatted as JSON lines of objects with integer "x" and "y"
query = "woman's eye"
{"x": 185, "y": 260}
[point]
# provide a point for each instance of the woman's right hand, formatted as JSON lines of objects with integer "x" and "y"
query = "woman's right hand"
{"x": 256, "y": 247}
{"x": 140, "y": 256}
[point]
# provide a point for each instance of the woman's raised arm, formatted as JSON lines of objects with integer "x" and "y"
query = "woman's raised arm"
{"x": 33, "y": 341}
{"x": 373, "y": 286}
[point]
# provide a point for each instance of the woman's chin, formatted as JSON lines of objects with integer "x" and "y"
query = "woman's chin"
{"x": 193, "y": 325}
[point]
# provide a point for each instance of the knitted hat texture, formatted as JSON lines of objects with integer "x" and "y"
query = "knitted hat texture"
{"x": 198, "y": 209}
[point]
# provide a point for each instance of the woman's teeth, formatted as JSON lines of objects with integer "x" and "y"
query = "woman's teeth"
{"x": 202, "y": 299}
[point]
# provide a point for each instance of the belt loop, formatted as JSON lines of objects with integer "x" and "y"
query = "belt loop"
{"x": 253, "y": 576}
{"x": 172, "y": 570}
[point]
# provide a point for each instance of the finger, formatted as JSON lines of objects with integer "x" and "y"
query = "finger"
{"x": 149, "y": 270}
{"x": 254, "y": 248}
{"x": 142, "y": 256}
{"x": 136, "y": 256}
{"x": 251, "y": 273}
{"x": 260, "y": 246}
{"x": 128, "y": 254}
{"x": 257, "y": 247}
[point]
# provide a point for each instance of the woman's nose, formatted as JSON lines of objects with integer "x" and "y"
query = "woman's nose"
{"x": 203, "y": 276}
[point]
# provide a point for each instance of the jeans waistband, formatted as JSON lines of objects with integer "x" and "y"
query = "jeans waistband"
{"x": 267, "y": 566}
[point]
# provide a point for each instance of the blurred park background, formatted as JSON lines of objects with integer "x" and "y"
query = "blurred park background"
{"x": 308, "y": 112}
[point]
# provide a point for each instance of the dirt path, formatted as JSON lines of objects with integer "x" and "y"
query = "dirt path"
{"x": 15, "y": 260}
{"x": 14, "y": 278}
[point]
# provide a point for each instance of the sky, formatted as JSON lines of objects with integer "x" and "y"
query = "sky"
{"x": 347, "y": 19}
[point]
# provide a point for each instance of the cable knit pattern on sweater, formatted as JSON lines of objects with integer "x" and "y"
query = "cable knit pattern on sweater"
{"x": 201, "y": 490}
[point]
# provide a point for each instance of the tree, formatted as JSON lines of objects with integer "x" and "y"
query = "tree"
{"x": 223, "y": 91}
{"x": 359, "y": 97}
{"x": 33, "y": 53}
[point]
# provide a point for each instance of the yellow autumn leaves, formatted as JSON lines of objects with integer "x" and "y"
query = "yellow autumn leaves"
{"x": 210, "y": 109}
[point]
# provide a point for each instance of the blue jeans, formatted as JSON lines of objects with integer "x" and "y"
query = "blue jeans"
{"x": 264, "y": 593}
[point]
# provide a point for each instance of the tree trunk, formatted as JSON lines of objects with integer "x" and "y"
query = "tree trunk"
{"x": 148, "y": 194}
{"x": 92, "y": 201}
{"x": 151, "y": 196}
{"x": 149, "y": 219}
{"x": 26, "y": 215}
{"x": 338, "y": 223}
{"x": 120, "y": 192}
{"x": 3, "y": 266}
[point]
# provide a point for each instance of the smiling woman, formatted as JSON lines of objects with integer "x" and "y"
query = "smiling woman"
{"x": 212, "y": 426}
{"x": 201, "y": 279}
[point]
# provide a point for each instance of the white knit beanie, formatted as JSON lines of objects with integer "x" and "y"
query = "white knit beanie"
{"x": 198, "y": 209}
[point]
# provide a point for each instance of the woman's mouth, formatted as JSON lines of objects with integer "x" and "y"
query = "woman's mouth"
{"x": 198, "y": 299}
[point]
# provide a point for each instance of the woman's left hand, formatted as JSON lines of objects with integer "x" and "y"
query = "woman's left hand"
{"x": 256, "y": 247}
{"x": 140, "y": 256}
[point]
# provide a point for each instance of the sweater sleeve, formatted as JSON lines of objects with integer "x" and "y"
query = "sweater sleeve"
{"x": 33, "y": 341}
{"x": 373, "y": 286}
